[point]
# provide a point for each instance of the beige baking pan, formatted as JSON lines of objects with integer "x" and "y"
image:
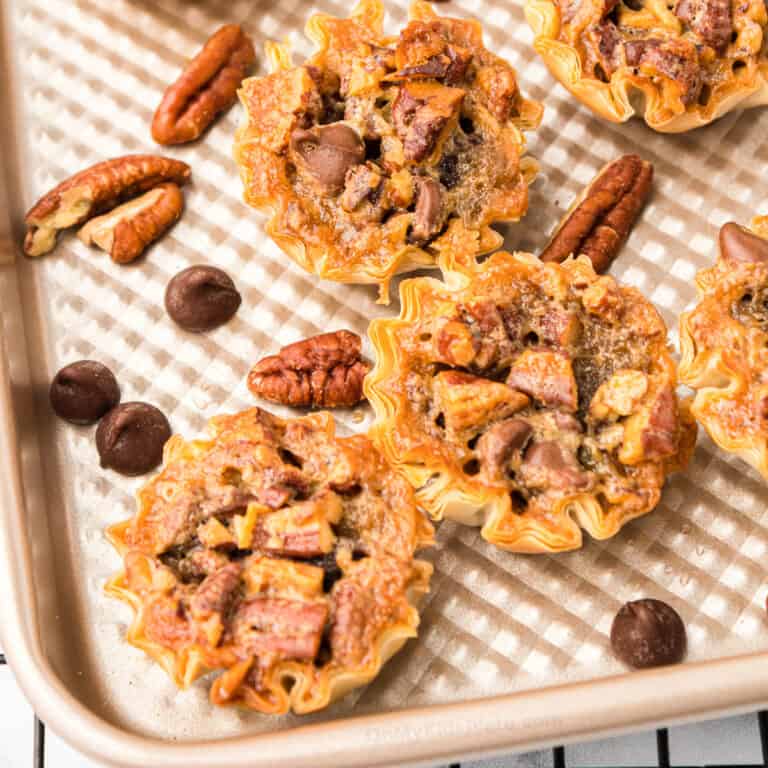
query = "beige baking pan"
{"x": 512, "y": 652}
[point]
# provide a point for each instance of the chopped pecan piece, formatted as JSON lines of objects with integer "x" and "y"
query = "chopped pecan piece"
{"x": 606, "y": 46}
{"x": 652, "y": 433}
{"x": 290, "y": 628}
{"x": 619, "y": 395}
{"x": 489, "y": 330}
{"x": 738, "y": 245}
{"x": 468, "y": 401}
{"x": 206, "y": 88}
{"x": 126, "y": 231}
{"x": 423, "y": 52}
{"x": 502, "y": 95}
{"x": 560, "y": 327}
{"x": 93, "y": 191}
{"x": 423, "y": 114}
{"x": 548, "y": 465}
{"x": 428, "y": 217}
{"x": 361, "y": 182}
{"x": 546, "y": 376}
{"x": 216, "y": 592}
{"x": 600, "y": 223}
{"x": 327, "y": 152}
{"x": 324, "y": 371}
{"x": 711, "y": 20}
{"x": 302, "y": 530}
{"x": 675, "y": 58}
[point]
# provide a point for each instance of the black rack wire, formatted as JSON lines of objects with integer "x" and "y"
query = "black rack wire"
{"x": 558, "y": 753}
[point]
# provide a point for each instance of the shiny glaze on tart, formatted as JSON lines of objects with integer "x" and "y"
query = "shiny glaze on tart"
{"x": 275, "y": 552}
{"x": 529, "y": 398}
{"x": 369, "y": 151}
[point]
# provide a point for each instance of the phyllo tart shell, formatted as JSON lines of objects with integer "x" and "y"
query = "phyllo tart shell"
{"x": 532, "y": 399}
{"x": 277, "y": 553}
{"x": 679, "y": 65}
{"x": 724, "y": 345}
{"x": 364, "y": 155}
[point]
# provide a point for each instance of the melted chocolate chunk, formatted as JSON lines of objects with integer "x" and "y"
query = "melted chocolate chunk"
{"x": 83, "y": 392}
{"x": 130, "y": 438}
{"x": 201, "y": 298}
{"x": 328, "y": 152}
{"x": 648, "y": 633}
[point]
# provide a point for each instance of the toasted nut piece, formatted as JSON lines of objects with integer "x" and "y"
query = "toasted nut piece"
{"x": 206, "y": 88}
{"x": 93, "y": 191}
{"x": 599, "y": 221}
{"x": 324, "y": 371}
{"x": 126, "y": 231}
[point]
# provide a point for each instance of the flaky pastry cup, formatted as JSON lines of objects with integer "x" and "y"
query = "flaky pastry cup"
{"x": 686, "y": 80}
{"x": 275, "y": 552}
{"x": 528, "y": 398}
{"x": 363, "y": 156}
{"x": 724, "y": 345}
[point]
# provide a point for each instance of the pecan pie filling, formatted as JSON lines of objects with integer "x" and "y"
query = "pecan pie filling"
{"x": 372, "y": 149}
{"x": 692, "y": 59}
{"x": 540, "y": 392}
{"x": 724, "y": 344}
{"x": 275, "y": 552}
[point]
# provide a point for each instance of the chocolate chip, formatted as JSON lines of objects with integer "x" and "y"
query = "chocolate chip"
{"x": 201, "y": 298}
{"x": 83, "y": 392}
{"x": 130, "y": 438}
{"x": 328, "y": 152}
{"x": 738, "y": 244}
{"x": 648, "y": 633}
{"x": 427, "y": 218}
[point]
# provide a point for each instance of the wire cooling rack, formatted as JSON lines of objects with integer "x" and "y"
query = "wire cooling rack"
{"x": 559, "y": 759}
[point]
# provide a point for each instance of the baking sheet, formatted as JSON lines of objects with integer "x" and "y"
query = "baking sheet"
{"x": 90, "y": 73}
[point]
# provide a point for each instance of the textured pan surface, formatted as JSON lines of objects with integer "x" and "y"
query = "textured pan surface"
{"x": 92, "y": 72}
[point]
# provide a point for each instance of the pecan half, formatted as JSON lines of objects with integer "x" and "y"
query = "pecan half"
{"x": 126, "y": 231}
{"x": 711, "y": 20}
{"x": 324, "y": 371}
{"x": 93, "y": 191}
{"x": 601, "y": 222}
{"x": 206, "y": 88}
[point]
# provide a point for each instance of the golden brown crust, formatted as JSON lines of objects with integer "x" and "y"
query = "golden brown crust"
{"x": 369, "y": 152}
{"x": 278, "y": 553}
{"x": 724, "y": 345}
{"x": 679, "y": 65}
{"x": 529, "y": 398}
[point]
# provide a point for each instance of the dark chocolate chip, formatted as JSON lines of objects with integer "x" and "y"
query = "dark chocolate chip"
{"x": 648, "y": 633}
{"x": 130, "y": 438}
{"x": 328, "y": 152}
{"x": 201, "y": 298}
{"x": 738, "y": 244}
{"x": 83, "y": 392}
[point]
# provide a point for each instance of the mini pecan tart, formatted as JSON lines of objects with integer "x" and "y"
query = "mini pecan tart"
{"x": 678, "y": 64}
{"x": 368, "y": 153}
{"x": 724, "y": 345}
{"x": 530, "y": 398}
{"x": 275, "y": 552}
